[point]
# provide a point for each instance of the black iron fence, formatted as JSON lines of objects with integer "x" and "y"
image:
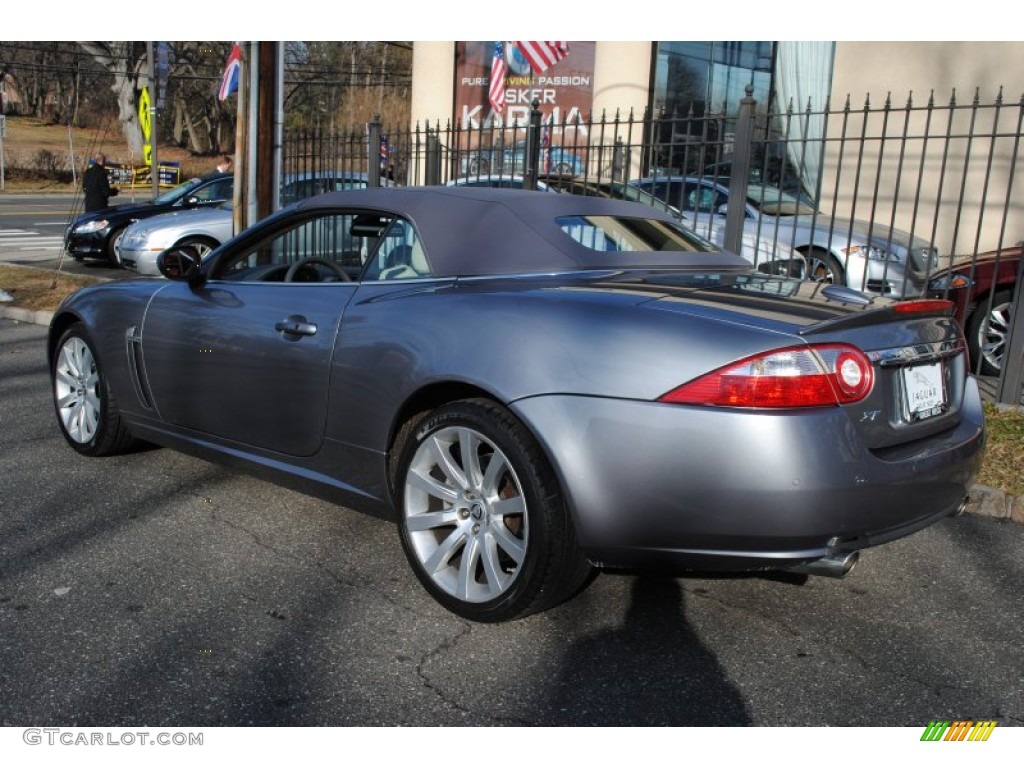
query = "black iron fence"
{"x": 891, "y": 199}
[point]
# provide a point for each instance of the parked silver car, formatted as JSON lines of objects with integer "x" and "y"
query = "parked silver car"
{"x": 863, "y": 255}
{"x": 206, "y": 228}
{"x": 768, "y": 254}
{"x": 202, "y": 228}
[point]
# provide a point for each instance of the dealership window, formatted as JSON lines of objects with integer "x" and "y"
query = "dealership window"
{"x": 710, "y": 76}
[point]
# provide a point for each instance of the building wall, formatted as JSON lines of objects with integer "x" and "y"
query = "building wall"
{"x": 433, "y": 81}
{"x": 910, "y": 178}
{"x": 902, "y": 67}
{"x": 907, "y": 182}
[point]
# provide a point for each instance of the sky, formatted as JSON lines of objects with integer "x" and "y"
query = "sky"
{"x": 572, "y": 20}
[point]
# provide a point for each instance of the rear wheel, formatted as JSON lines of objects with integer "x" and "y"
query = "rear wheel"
{"x": 86, "y": 409}
{"x": 481, "y": 517}
{"x": 823, "y": 267}
{"x": 986, "y": 333}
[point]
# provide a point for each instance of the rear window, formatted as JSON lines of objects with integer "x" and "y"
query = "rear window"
{"x": 614, "y": 234}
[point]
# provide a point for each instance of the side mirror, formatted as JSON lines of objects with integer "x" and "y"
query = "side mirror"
{"x": 181, "y": 262}
{"x": 723, "y": 209}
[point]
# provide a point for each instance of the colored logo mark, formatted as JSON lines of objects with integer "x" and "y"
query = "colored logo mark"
{"x": 958, "y": 730}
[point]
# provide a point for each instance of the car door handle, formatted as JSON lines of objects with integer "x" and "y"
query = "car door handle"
{"x": 295, "y": 325}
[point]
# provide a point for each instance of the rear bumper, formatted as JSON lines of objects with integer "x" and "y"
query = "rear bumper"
{"x": 652, "y": 485}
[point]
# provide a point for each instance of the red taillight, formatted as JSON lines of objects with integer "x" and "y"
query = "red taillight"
{"x": 796, "y": 377}
{"x": 920, "y": 306}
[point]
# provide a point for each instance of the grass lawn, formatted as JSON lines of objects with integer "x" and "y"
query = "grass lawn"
{"x": 38, "y": 289}
{"x": 1004, "y": 456}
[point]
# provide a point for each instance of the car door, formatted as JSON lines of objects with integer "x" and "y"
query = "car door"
{"x": 245, "y": 356}
{"x": 213, "y": 193}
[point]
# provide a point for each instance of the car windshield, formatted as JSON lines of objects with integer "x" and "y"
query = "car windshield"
{"x": 173, "y": 195}
{"x": 772, "y": 201}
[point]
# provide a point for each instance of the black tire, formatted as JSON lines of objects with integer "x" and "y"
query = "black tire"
{"x": 493, "y": 543}
{"x": 112, "y": 243}
{"x": 986, "y": 341}
{"x": 823, "y": 267}
{"x": 562, "y": 169}
{"x": 86, "y": 409}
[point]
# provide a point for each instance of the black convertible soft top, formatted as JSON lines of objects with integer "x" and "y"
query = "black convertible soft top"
{"x": 468, "y": 231}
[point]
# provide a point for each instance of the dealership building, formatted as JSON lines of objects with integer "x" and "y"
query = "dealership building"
{"x": 609, "y": 77}
{"x": 937, "y": 149}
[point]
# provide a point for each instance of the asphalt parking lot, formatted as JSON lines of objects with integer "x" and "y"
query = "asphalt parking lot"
{"x": 157, "y": 589}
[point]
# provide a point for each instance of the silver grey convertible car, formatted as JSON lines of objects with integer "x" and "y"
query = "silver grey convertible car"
{"x": 534, "y": 386}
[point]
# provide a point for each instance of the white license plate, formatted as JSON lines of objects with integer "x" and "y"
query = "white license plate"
{"x": 924, "y": 391}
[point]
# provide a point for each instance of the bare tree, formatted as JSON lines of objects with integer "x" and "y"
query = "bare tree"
{"x": 125, "y": 62}
{"x": 199, "y": 120}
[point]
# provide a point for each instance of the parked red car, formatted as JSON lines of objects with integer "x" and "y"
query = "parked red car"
{"x": 983, "y": 292}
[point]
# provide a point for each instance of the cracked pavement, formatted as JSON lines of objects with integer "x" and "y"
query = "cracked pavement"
{"x": 158, "y": 589}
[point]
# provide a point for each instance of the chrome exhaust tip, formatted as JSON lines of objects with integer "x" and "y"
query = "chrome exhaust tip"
{"x": 834, "y": 566}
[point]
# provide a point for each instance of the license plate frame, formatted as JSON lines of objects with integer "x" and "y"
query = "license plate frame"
{"x": 923, "y": 391}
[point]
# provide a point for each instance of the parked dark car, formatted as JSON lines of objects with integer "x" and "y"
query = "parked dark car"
{"x": 983, "y": 292}
{"x": 533, "y": 385}
{"x": 97, "y": 235}
{"x": 299, "y": 186}
{"x": 554, "y": 161}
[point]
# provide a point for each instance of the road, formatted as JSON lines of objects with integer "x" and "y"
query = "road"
{"x": 158, "y": 589}
{"x": 32, "y": 234}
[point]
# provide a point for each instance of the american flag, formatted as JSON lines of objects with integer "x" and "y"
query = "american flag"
{"x": 496, "y": 93}
{"x": 543, "y": 53}
{"x": 229, "y": 82}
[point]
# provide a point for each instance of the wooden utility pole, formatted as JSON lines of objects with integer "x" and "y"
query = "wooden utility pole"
{"x": 240, "y": 197}
{"x": 267, "y": 130}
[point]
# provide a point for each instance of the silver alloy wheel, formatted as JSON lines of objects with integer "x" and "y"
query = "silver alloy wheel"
{"x": 992, "y": 335}
{"x": 115, "y": 246}
{"x": 466, "y": 514}
{"x": 201, "y": 246}
{"x": 76, "y": 386}
{"x": 820, "y": 268}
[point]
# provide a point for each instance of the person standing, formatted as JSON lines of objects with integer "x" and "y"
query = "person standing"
{"x": 97, "y": 186}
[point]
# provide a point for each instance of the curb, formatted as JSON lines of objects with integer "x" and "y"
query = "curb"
{"x": 37, "y": 316}
{"x": 995, "y": 504}
{"x": 983, "y": 501}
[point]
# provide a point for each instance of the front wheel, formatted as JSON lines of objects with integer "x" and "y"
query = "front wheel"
{"x": 202, "y": 245}
{"x": 86, "y": 409}
{"x": 823, "y": 267}
{"x": 481, "y": 517}
{"x": 114, "y": 246}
